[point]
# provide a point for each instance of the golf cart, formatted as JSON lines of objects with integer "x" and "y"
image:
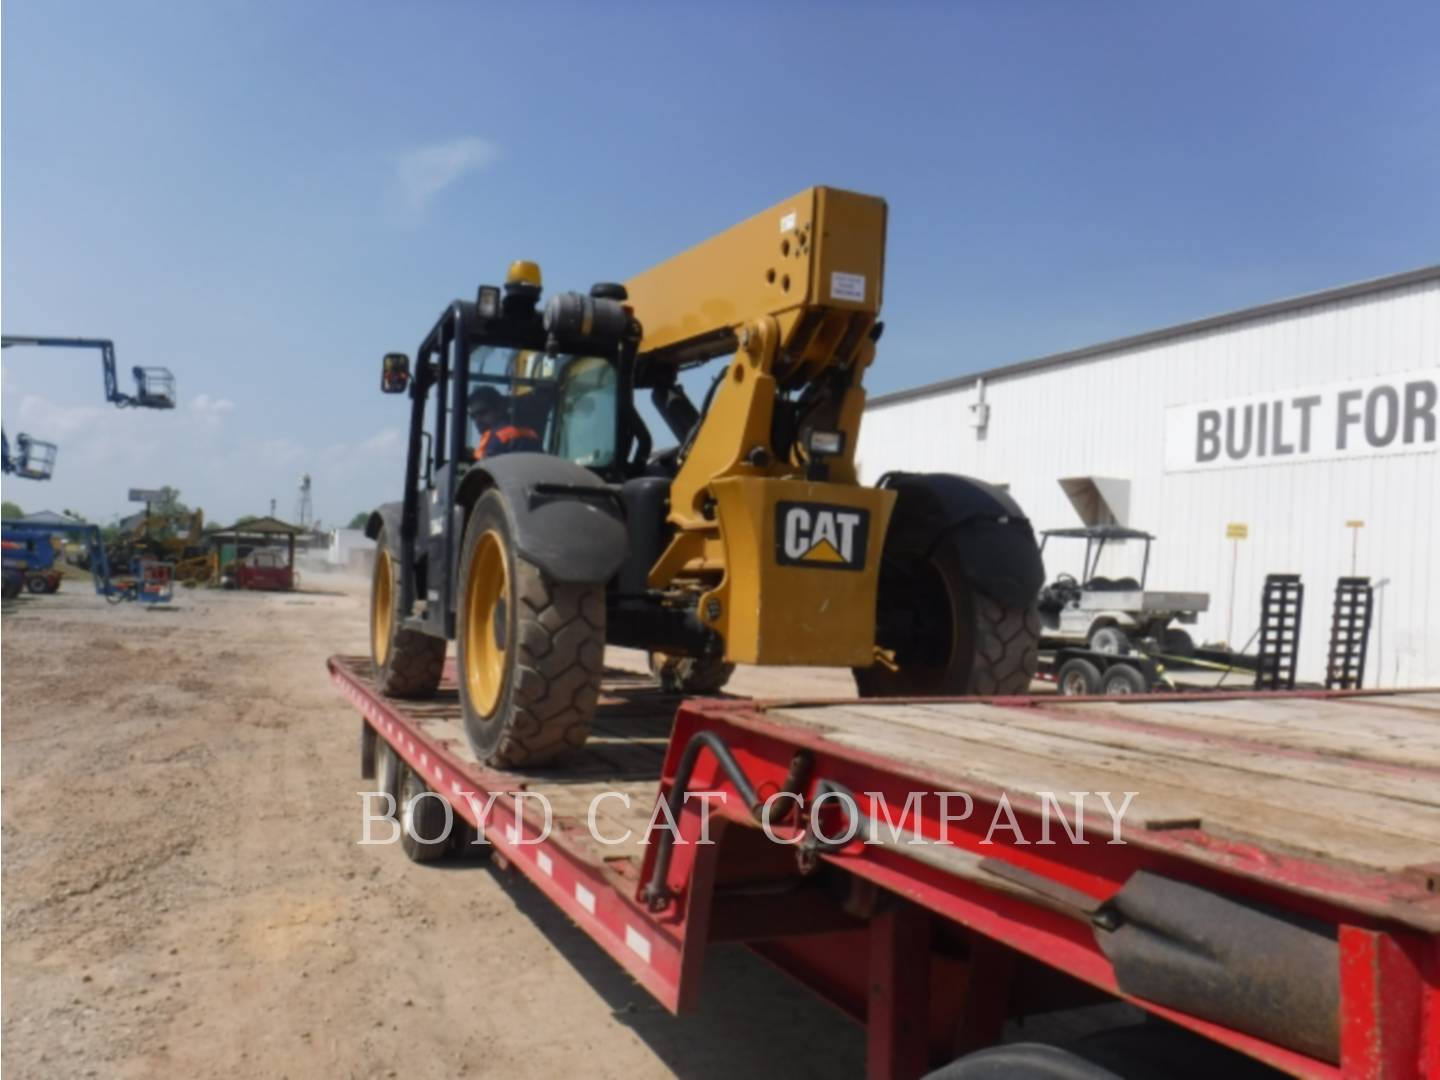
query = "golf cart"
{"x": 1114, "y": 615}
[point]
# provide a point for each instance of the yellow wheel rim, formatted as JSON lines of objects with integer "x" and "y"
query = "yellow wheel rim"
{"x": 487, "y": 615}
{"x": 382, "y": 608}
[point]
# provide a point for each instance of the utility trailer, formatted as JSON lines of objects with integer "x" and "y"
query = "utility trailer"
{"x": 1276, "y": 896}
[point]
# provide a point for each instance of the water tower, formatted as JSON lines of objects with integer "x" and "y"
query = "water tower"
{"x": 304, "y": 512}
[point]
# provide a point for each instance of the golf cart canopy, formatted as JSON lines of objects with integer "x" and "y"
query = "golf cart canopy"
{"x": 1099, "y": 532}
{"x": 1095, "y": 537}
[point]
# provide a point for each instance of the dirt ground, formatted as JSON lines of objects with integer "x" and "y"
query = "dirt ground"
{"x": 183, "y": 894}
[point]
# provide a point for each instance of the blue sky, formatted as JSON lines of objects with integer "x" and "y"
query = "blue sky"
{"x": 265, "y": 197}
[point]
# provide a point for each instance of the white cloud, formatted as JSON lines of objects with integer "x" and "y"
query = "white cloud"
{"x": 425, "y": 171}
{"x": 280, "y": 452}
{"x": 210, "y": 410}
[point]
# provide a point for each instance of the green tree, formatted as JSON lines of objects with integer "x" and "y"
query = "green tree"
{"x": 11, "y": 510}
{"x": 169, "y": 505}
{"x": 359, "y": 520}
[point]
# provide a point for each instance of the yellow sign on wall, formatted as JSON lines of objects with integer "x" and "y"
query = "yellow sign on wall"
{"x": 1237, "y": 530}
{"x": 1354, "y": 523}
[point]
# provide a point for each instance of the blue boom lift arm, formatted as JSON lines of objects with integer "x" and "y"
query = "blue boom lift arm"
{"x": 154, "y": 386}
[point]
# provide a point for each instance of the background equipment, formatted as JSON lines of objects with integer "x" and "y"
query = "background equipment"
{"x": 1114, "y": 615}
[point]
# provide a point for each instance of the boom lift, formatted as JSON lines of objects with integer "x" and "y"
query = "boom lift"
{"x": 154, "y": 389}
{"x": 154, "y": 386}
{"x": 751, "y": 542}
{"x": 34, "y": 459}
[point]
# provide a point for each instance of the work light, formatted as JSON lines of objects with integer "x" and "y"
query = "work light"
{"x": 487, "y": 302}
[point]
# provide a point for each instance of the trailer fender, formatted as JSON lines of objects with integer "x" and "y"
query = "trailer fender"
{"x": 1257, "y": 970}
{"x": 565, "y": 519}
{"x": 998, "y": 550}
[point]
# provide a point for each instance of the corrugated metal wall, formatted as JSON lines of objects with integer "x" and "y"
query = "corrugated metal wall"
{"x": 1105, "y": 416}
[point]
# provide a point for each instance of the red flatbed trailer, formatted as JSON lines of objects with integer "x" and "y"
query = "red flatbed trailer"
{"x": 1316, "y": 815}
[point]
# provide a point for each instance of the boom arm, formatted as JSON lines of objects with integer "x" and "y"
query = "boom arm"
{"x": 154, "y": 386}
{"x": 794, "y": 292}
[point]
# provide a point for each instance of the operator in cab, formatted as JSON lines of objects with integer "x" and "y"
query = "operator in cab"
{"x": 498, "y": 435}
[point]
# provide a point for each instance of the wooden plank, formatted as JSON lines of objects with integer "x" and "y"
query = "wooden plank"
{"x": 1424, "y": 701}
{"x": 1166, "y": 794}
{"x": 985, "y": 724}
{"x": 1320, "y": 726}
{"x": 1262, "y": 761}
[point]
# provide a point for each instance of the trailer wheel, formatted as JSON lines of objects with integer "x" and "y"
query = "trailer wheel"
{"x": 387, "y": 770}
{"x": 530, "y": 650}
{"x": 407, "y": 663}
{"x": 1077, "y": 677}
{"x": 690, "y": 674}
{"x": 425, "y": 819}
{"x": 37, "y": 584}
{"x": 1123, "y": 679}
{"x": 958, "y": 641}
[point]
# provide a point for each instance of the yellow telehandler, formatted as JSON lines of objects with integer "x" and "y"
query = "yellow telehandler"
{"x": 539, "y": 521}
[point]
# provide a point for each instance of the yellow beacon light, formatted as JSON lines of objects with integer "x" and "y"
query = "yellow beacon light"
{"x": 523, "y": 272}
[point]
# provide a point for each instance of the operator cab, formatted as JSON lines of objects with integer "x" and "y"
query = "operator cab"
{"x": 565, "y": 405}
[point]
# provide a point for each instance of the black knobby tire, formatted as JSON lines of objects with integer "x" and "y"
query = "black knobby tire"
{"x": 690, "y": 674}
{"x": 551, "y": 639}
{"x": 1178, "y": 642}
{"x": 406, "y": 663}
{"x": 387, "y": 770}
{"x": 1077, "y": 677}
{"x": 426, "y": 819}
{"x": 963, "y": 642}
{"x": 1123, "y": 679}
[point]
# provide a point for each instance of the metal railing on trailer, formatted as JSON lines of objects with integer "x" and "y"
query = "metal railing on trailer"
{"x": 1320, "y": 962}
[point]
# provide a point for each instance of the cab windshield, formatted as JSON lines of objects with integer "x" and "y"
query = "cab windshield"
{"x": 564, "y": 405}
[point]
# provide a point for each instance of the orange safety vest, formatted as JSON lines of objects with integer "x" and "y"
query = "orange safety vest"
{"x": 503, "y": 437}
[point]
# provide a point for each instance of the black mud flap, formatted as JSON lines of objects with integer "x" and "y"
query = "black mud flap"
{"x": 566, "y": 520}
{"x": 1259, "y": 971}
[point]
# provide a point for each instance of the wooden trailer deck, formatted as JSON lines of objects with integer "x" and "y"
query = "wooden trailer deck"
{"x": 1351, "y": 781}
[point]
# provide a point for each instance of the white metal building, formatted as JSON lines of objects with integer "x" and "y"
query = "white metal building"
{"x": 1294, "y": 419}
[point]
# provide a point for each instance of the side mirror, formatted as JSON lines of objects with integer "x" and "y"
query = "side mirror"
{"x": 395, "y": 373}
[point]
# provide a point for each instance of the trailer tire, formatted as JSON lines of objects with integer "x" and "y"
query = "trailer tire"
{"x": 1077, "y": 677}
{"x": 387, "y": 769}
{"x": 1146, "y": 1051}
{"x": 965, "y": 643}
{"x": 530, "y": 650}
{"x": 37, "y": 584}
{"x": 426, "y": 819}
{"x": 690, "y": 674}
{"x": 1123, "y": 679}
{"x": 407, "y": 663}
